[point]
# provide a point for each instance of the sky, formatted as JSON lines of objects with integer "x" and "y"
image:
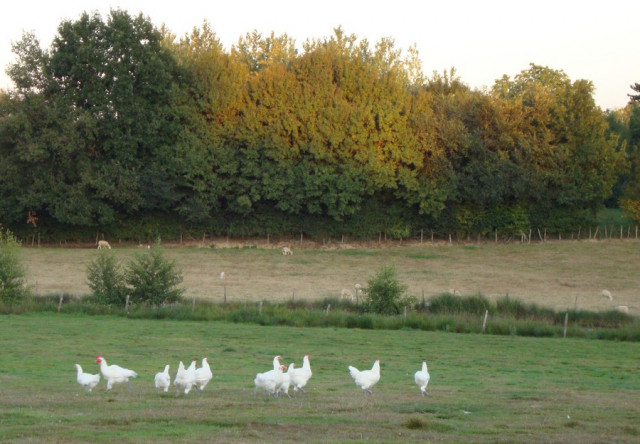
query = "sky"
{"x": 482, "y": 39}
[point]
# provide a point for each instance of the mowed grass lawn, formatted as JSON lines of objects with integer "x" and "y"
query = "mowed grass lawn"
{"x": 483, "y": 388}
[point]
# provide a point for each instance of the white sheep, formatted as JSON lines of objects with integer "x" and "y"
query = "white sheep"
{"x": 222, "y": 275}
{"x": 346, "y": 294}
{"x": 607, "y": 295}
{"x": 454, "y": 292}
{"x": 622, "y": 309}
{"x": 103, "y": 244}
{"x": 286, "y": 251}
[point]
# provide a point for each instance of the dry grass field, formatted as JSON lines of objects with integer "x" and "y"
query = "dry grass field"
{"x": 551, "y": 274}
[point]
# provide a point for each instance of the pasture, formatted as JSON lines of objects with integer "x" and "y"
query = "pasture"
{"x": 558, "y": 275}
{"x": 483, "y": 388}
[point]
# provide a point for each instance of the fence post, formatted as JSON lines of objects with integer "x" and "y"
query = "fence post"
{"x": 60, "y": 303}
{"x": 126, "y": 305}
{"x": 405, "y": 313}
{"x": 566, "y": 321}
{"x": 224, "y": 288}
{"x": 328, "y": 308}
{"x": 193, "y": 305}
{"x": 484, "y": 321}
{"x": 260, "y": 308}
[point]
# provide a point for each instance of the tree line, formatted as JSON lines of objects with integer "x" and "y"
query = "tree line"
{"x": 120, "y": 127}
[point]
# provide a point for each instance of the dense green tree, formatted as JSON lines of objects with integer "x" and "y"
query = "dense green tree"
{"x": 561, "y": 141}
{"x": 120, "y": 122}
{"x": 91, "y": 126}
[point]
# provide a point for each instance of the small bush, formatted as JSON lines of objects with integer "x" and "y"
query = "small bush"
{"x": 12, "y": 273}
{"x": 153, "y": 279}
{"x": 385, "y": 294}
{"x": 106, "y": 279}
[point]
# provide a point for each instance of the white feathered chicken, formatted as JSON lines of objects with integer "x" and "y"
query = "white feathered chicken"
{"x": 86, "y": 380}
{"x": 366, "y": 379}
{"x": 185, "y": 378}
{"x": 114, "y": 374}
{"x": 300, "y": 376}
{"x": 163, "y": 379}
{"x": 272, "y": 380}
{"x": 203, "y": 375}
{"x": 286, "y": 381}
{"x": 422, "y": 378}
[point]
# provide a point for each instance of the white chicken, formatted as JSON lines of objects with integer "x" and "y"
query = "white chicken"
{"x": 286, "y": 381}
{"x": 185, "y": 378}
{"x": 86, "y": 380}
{"x": 300, "y": 376}
{"x": 203, "y": 375}
{"x": 163, "y": 379}
{"x": 272, "y": 380}
{"x": 366, "y": 379}
{"x": 114, "y": 374}
{"x": 422, "y": 378}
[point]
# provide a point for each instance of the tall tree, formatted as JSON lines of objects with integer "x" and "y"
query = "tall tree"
{"x": 98, "y": 108}
{"x": 635, "y": 97}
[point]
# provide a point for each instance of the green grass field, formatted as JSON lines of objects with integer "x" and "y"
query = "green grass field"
{"x": 483, "y": 388}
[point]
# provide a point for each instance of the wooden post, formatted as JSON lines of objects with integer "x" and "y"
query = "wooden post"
{"x": 224, "y": 289}
{"x": 260, "y": 308}
{"x": 126, "y": 305}
{"x": 328, "y": 308}
{"x": 421, "y": 235}
{"x": 566, "y": 321}
{"x": 575, "y": 304}
{"x": 484, "y": 321}
{"x": 293, "y": 295}
{"x": 193, "y": 305}
{"x": 405, "y": 313}
{"x": 60, "y": 303}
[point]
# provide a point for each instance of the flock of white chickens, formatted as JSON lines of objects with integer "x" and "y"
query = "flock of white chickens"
{"x": 276, "y": 382}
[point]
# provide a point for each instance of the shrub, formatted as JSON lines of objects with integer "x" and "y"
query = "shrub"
{"x": 153, "y": 279}
{"x": 385, "y": 294}
{"x": 12, "y": 284}
{"x": 106, "y": 279}
{"x": 450, "y": 304}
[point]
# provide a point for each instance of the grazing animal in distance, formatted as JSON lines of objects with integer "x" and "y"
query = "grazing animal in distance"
{"x": 607, "y": 295}
{"x": 286, "y": 251}
{"x": 103, "y": 244}
{"x": 345, "y": 293}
